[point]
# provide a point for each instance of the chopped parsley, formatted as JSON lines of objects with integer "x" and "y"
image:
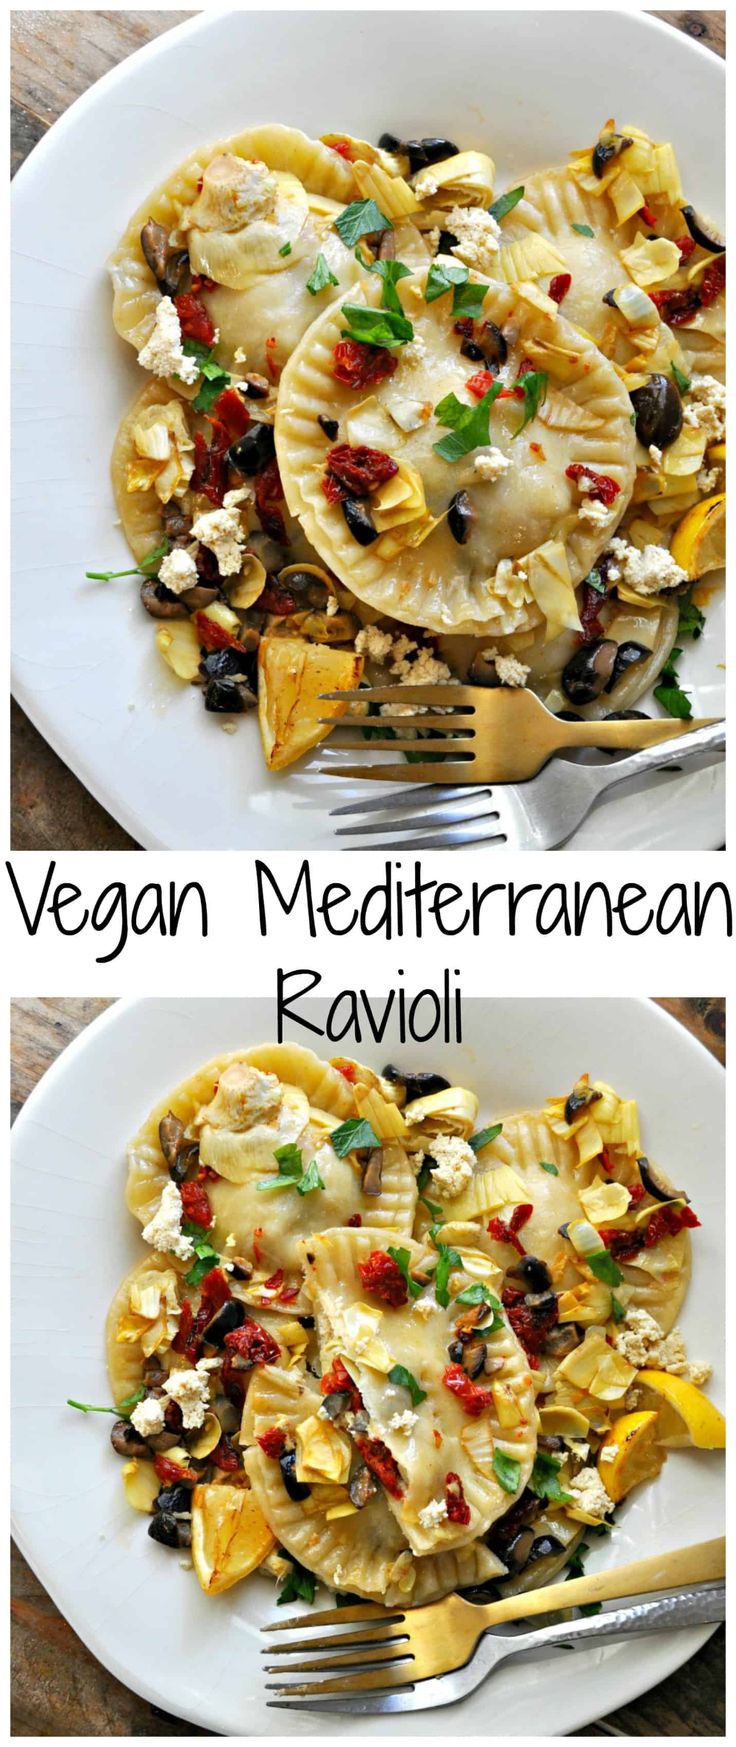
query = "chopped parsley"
{"x": 442, "y": 277}
{"x": 360, "y": 219}
{"x": 468, "y": 424}
{"x": 507, "y": 1471}
{"x": 376, "y": 327}
{"x": 390, "y": 272}
{"x": 534, "y": 386}
{"x": 468, "y": 299}
{"x": 669, "y": 692}
{"x": 286, "y": 249}
{"x": 478, "y": 1294}
{"x": 485, "y": 1136}
{"x": 123, "y": 1409}
{"x": 691, "y": 621}
{"x": 207, "y": 1257}
{"x": 354, "y": 1133}
{"x": 434, "y": 1208}
{"x": 448, "y": 1258}
{"x": 595, "y": 580}
{"x": 298, "y": 1584}
{"x": 399, "y": 1374}
{"x": 576, "y": 1568}
{"x": 506, "y": 203}
{"x": 215, "y": 379}
{"x": 402, "y": 1259}
{"x": 605, "y": 1268}
{"x": 321, "y": 276}
{"x": 617, "y": 1310}
{"x": 583, "y": 230}
{"x": 291, "y": 1173}
{"x": 681, "y": 381}
{"x": 544, "y": 1480}
{"x": 148, "y": 566}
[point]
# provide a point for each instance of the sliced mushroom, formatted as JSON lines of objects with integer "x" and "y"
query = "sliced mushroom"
{"x": 588, "y": 671}
{"x": 561, "y": 1339}
{"x": 609, "y": 146}
{"x": 201, "y": 596}
{"x": 126, "y": 1441}
{"x": 372, "y": 1171}
{"x": 171, "y": 1137}
{"x": 170, "y": 267}
{"x": 175, "y": 522}
{"x": 159, "y": 601}
{"x": 362, "y": 1486}
{"x": 475, "y": 1354}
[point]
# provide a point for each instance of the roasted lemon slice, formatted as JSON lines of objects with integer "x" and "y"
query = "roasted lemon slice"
{"x": 230, "y": 1536}
{"x": 629, "y": 1454}
{"x": 704, "y": 1424}
{"x": 699, "y": 542}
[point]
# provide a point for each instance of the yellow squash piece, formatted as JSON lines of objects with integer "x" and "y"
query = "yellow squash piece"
{"x": 629, "y": 1454}
{"x": 230, "y": 1536}
{"x": 292, "y": 676}
{"x": 704, "y": 1423}
{"x": 699, "y": 543}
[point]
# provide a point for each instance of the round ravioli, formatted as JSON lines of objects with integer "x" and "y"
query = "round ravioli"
{"x": 431, "y": 1431}
{"x": 143, "y": 1319}
{"x": 360, "y": 1551}
{"x": 508, "y": 555}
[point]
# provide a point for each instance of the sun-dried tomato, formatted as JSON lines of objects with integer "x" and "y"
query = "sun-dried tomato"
{"x": 648, "y": 216}
{"x": 465, "y": 326}
{"x": 590, "y": 606}
{"x": 473, "y": 1400}
{"x": 272, "y": 1442}
{"x": 636, "y": 1193}
{"x": 559, "y": 286}
{"x": 339, "y": 1378}
{"x": 530, "y": 1322}
{"x": 348, "y": 1070}
{"x": 276, "y": 599}
{"x": 355, "y": 1219}
{"x": 686, "y": 245}
{"x": 677, "y": 307}
{"x": 233, "y": 1383}
{"x": 206, "y": 1174}
{"x": 196, "y": 324}
{"x": 666, "y": 1222}
{"x": 606, "y": 1160}
{"x": 183, "y": 1337}
{"x": 359, "y": 365}
{"x": 357, "y": 470}
{"x": 480, "y": 383}
{"x": 269, "y": 494}
{"x": 195, "y": 1204}
{"x": 200, "y": 282}
{"x": 174, "y": 1473}
{"x": 381, "y": 1463}
{"x": 713, "y": 281}
{"x": 505, "y": 1230}
{"x": 458, "y": 1509}
{"x": 225, "y": 1455}
{"x": 622, "y": 1245}
{"x": 274, "y": 1282}
{"x": 332, "y": 489}
{"x": 343, "y": 149}
{"x": 214, "y": 636}
{"x": 382, "y": 1277}
{"x": 231, "y": 411}
{"x": 210, "y": 474}
{"x": 602, "y": 489}
{"x": 173, "y": 1418}
{"x": 253, "y": 1343}
{"x": 214, "y": 1291}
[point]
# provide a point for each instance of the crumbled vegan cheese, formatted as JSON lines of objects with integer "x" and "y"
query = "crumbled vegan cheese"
{"x": 333, "y": 606}
{"x": 454, "y": 1165}
{"x": 707, "y": 479}
{"x": 374, "y": 644}
{"x": 148, "y": 1417}
{"x": 191, "y": 1390}
{"x": 588, "y": 1493}
{"x": 243, "y": 1097}
{"x": 655, "y": 455}
{"x": 164, "y": 1231}
{"x": 412, "y": 663}
{"x": 641, "y": 1341}
{"x": 478, "y": 236}
{"x": 491, "y": 464}
{"x": 508, "y": 669}
{"x": 707, "y": 401}
{"x": 432, "y": 1514}
{"x": 402, "y": 1422}
{"x": 592, "y": 510}
{"x": 414, "y": 352}
{"x": 222, "y": 533}
{"x": 647, "y": 570}
{"x": 178, "y": 571}
{"x": 424, "y": 1307}
{"x": 162, "y": 353}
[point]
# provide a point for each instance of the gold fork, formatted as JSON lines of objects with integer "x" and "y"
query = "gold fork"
{"x": 427, "y": 1641}
{"x": 493, "y": 734}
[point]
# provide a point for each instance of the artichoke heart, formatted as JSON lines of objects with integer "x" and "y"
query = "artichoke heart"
{"x": 466, "y": 179}
{"x": 451, "y": 1111}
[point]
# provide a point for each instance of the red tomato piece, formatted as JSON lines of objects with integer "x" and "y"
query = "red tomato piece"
{"x": 382, "y": 1277}
{"x": 183, "y": 1336}
{"x": 636, "y": 1193}
{"x": 559, "y": 286}
{"x": 677, "y": 307}
{"x": 590, "y": 605}
{"x": 225, "y": 1455}
{"x": 214, "y": 636}
{"x": 195, "y": 1204}
{"x": 458, "y": 1509}
{"x": 253, "y": 1343}
{"x": 214, "y": 1291}
{"x": 505, "y": 1230}
{"x": 269, "y": 494}
{"x": 472, "y": 1398}
{"x": 379, "y": 1459}
{"x": 480, "y": 383}
{"x": 210, "y": 474}
{"x": 358, "y": 365}
{"x": 713, "y": 281}
{"x": 172, "y": 1473}
{"x": 686, "y": 245}
{"x": 338, "y": 1378}
{"x": 355, "y": 1219}
{"x": 196, "y": 324}
{"x": 530, "y": 1323}
{"x": 359, "y": 470}
{"x": 602, "y": 490}
{"x": 273, "y": 1442}
{"x": 231, "y": 411}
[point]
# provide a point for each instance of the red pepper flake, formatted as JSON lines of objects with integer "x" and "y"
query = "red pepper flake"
{"x": 636, "y": 1193}
{"x": 272, "y": 1442}
{"x": 355, "y": 1219}
{"x": 225, "y": 1455}
{"x": 530, "y": 1323}
{"x": 253, "y": 1343}
{"x": 211, "y": 465}
{"x": 343, "y": 149}
{"x": 603, "y": 489}
{"x": 356, "y": 471}
{"x": 686, "y": 246}
{"x": 465, "y": 326}
{"x": 269, "y": 494}
{"x": 257, "y": 1235}
{"x": 195, "y": 1204}
{"x": 274, "y": 369}
{"x": 648, "y": 216}
{"x": 536, "y": 449}
{"x": 713, "y": 281}
{"x": 559, "y": 286}
{"x": 606, "y": 1160}
{"x": 196, "y": 324}
{"x": 505, "y": 1231}
{"x": 214, "y": 636}
{"x": 458, "y": 1509}
{"x": 471, "y": 1397}
{"x": 359, "y": 366}
{"x": 200, "y": 184}
{"x": 339, "y": 1378}
{"x": 590, "y": 605}
{"x": 173, "y": 1473}
{"x": 382, "y": 1277}
{"x": 348, "y": 1070}
{"x": 515, "y": 393}
{"x": 274, "y": 1282}
{"x": 379, "y": 1459}
{"x": 480, "y": 383}
{"x": 231, "y": 411}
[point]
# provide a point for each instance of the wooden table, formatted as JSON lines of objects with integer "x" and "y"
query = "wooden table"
{"x": 56, "y": 56}
{"x": 58, "y": 1687}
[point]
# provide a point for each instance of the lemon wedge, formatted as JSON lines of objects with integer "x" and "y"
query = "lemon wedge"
{"x": 699, "y": 540}
{"x": 629, "y": 1454}
{"x": 702, "y": 1421}
{"x": 716, "y": 457}
{"x": 230, "y": 1536}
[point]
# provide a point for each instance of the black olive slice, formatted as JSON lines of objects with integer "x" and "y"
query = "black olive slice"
{"x": 252, "y": 451}
{"x": 658, "y": 411}
{"x": 460, "y": 517}
{"x": 608, "y": 147}
{"x": 337, "y": 1402}
{"x": 471, "y": 349}
{"x": 420, "y": 1084}
{"x": 225, "y": 663}
{"x": 177, "y": 1500}
{"x": 228, "y": 696}
{"x": 329, "y": 426}
{"x": 628, "y": 655}
{"x": 654, "y": 1187}
{"x": 534, "y": 1273}
{"x": 164, "y": 1528}
{"x": 388, "y": 142}
{"x": 543, "y": 1546}
{"x": 447, "y": 241}
{"x": 359, "y": 522}
{"x": 426, "y": 151}
{"x": 495, "y": 349}
{"x": 581, "y": 1096}
{"x": 230, "y": 1315}
{"x": 295, "y": 1488}
{"x": 703, "y": 233}
{"x": 588, "y": 671}
{"x": 256, "y": 387}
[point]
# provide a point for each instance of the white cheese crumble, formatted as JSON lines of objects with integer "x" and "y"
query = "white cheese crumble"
{"x": 592, "y": 510}
{"x": 588, "y": 1493}
{"x": 162, "y": 353}
{"x": 374, "y": 644}
{"x": 491, "y": 464}
{"x": 508, "y": 669}
{"x": 432, "y": 1514}
{"x": 414, "y": 352}
{"x": 244, "y": 1096}
{"x": 164, "y": 1231}
{"x": 707, "y": 479}
{"x": 454, "y": 1165}
{"x": 403, "y": 1422}
{"x": 333, "y": 606}
{"x": 178, "y": 571}
{"x": 706, "y": 407}
{"x": 655, "y": 455}
{"x": 191, "y": 1389}
{"x": 424, "y": 1307}
{"x": 647, "y": 570}
{"x": 641, "y": 1341}
{"x": 222, "y": 533}
{"x": 148, "y": 1417}
{"x": 478, "y": 237}
{"x": 412, "y": 663}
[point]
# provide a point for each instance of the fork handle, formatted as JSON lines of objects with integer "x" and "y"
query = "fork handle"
{"x": 695, "y": 1607}
{"x": 703, "y": 1563}
{"x": 711, "y": 738}
{"x": 631, "y": 735}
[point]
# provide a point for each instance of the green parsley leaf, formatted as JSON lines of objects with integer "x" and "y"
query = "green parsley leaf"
{"x": 595, "y": 580}
{"x": 448, "y": 1259}
{"x": 298, "y": 1584}
{"x": 691, "y": 621}
{"x": 669, "y": 692}
{"x": 575, "y": 1564}
{"x": 350, "y": 1135}
{"x": 289, "y": 1160}
{"x": 148, "y": 566}
{"x": 434, "y": 1208}
{"x": 207, "y": 1257}
{"x": 210, "y": 391}
{"x": 534, "y": 384}
{"x": 390, "y": 272}
{"x": 443, "y": 276}
{"x": 681, "y": 381}
{"x": 376, "y": 327}
{"x": 507, "y": 1471}
{"x": 425, "y": 1175}
{"x": 588, "y": 1608}
{"x": 402, "y": 1259}
{"x": 321, "y": 276}
{"x": 485, "y": 1136}
{"x": 546, "y": 1165}
{"x": 123, "y": 1409}
{"x": 583, "y": 230}
{"x": 468, "y": 424}
{"x": 468, "y": 299}
{"x": 399, "y": 1374}
{"x": 286, "y": 249}
{"x": 543, "y": 1480}
{"x": 506, "y": 203}
{"x": 309, "y": 1180}
{"x": 605, "y": 1268}
{"x": 360, "y": 219}
{"x": 478, "y": 1294}
{"x": 617, "y": 1310}
{"x": 196, "y": 349}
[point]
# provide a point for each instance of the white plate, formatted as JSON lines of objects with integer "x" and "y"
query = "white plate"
{"x": 85, "y": 666}
{"x": 146, "y": 1619}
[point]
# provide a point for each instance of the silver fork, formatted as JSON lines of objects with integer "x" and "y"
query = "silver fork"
{"x": 540, "y": 814}
{"x": 705, "y": 1605}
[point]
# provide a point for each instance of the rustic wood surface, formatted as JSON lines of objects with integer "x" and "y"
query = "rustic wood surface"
{"x": 59, "y": 1688}
{"x": 55, "y": 56}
